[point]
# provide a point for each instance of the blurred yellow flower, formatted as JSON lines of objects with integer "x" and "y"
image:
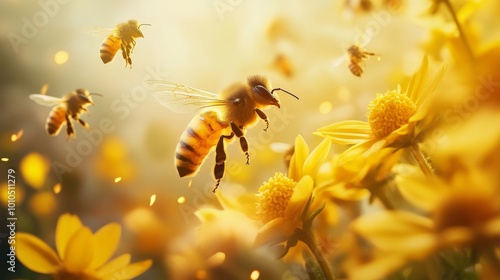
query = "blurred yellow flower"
{"x": 395, "y": 119}
{"x": 34, "y": 168}
{"x": 80, "y": 255}
{"x": 463, "y": 213}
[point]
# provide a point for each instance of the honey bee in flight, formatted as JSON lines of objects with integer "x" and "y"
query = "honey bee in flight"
{"x": 122, "y": 37}
{"x": 357, "y": 57}
{"x": 70, "y": 106}
{"x": 222, "y": 117}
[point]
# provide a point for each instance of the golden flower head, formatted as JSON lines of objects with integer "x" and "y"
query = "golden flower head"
{"x": 273, "y": 197}
{"x": 388, "y": 112}
{"x": 80, "y": 255}
{"x": 396, "y": 119}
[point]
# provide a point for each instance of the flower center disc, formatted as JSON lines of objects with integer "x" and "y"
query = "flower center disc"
{"x": 389, "y": 112}
{"x": 273, "y": 197}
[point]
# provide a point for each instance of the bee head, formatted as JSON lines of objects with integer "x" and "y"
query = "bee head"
{"x": 262, "y": 87}
{"x": 135, "y": 28}
{"x": 85, "y": 95}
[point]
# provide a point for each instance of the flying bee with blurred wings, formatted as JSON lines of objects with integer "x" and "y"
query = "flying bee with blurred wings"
{"x": 356, "y": 56}
{"x": 122, "y": 37}
{"x": 64, "y": 109}
{"x": 222, "y": 117}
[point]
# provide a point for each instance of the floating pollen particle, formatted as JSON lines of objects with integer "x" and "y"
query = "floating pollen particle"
{"x": 61, "y": 57}
{"x": 255, "y": 275}
{"x": 152, "y": 200}
{"x": 325, "y": 107}
{"x": 44, "y": 89}
{"x": 181, "y": 200}
{"x": 57, "y": 188}
{"x": 16, "y": 136}
{"x": 5, "y": 159}
{"x": 118, "y": 179}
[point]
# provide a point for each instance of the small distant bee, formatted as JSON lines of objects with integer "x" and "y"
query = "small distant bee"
{"x": 223, "y": 116}
{"x": 122, "y": 37}
{"x": 361, "y": 5}
{"x": 357, "y": 56}
{"x": 72, "y": 105}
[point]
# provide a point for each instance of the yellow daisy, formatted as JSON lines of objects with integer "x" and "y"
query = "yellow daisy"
{"x": 80, "y": 255}
{"x": 395, "y": 119}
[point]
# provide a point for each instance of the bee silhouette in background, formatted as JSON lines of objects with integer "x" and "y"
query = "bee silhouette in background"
{"x": 122, "y": 37}
{"x": 69, "y": 107}
{"x": 357, "y": 57}
{"x": 223, "y": 116}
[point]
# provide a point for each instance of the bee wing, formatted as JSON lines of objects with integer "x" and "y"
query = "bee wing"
{"x": 339, "y": 60}
{"x": 45, "y": 100}
{"x": 100, "y": 32}
{"x": 182, "y": 99}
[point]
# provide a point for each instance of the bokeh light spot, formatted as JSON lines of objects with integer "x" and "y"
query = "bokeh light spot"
{"x": 34, "y": 168}
{"x": 325, "y": 107}
{"x": 61, "y": 57}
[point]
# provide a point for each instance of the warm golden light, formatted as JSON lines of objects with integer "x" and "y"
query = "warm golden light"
{"x": 57, "y": 188}
{"x": 201, "y": 274}
{"x": 152, "y": 200}
{"x": 5, "y": 159}
{"x": 34, "y": 168}
{"x": 325, "y": 107}
{"x": 217, "y": 259}
{"x": 15, "y": 137}
{"x": 344, "y": 94}
{"x": 44, "y": 89}
{"x": 118, "y": 179}
{"x": 181, "y": 200}
{"x": 61, "y": 57}
{"x": 255, "y": 275}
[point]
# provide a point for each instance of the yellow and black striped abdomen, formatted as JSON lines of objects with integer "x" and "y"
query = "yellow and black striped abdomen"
{"x": 109, "y": 47}
{"x": 197, "y": 141}
{"x": 56, "y": 119}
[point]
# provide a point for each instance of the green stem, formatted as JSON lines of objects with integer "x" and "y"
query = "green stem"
{"x": 309, "y": 239}
{"x": 460, "y": 30}
{"x": 421, "y": 160}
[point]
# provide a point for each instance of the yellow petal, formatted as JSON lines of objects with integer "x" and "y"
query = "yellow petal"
{"x": 393, "y": 231}
{"x": 114, "y": 265}
{"x": 301, "y": 151}
{"x": 417, "y": 82}
{"x": 106, "y": 241}
{"x": 206, "y": 215}
{"x": 355, "y": 151}
{"x": 35, "y": 254}
{"x": 298, "y": 201}
{"x": 244, "y": 203}
{"x": 316, "y": 158}
{"x": 132, "y": 270}
{"x": 67, "y": 226}
{"x": 421, "y": 191}
{"x": 275, "y": 231}
{"x": 346, "y": 132}
{"x": 379, "y": 268}
{"x": 79, "y": 251}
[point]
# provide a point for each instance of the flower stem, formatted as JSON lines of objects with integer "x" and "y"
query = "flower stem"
{"x": 422, "y": 161}
{"x": 465, "y": 42}
{"x": 309, "y": 239}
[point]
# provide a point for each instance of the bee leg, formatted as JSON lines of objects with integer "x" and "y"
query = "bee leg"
{"x": 243, "y": 141}
{"x": 83, "y": 123}
{"x": 220, "y": 160}
{"x": 263, "y": 116}
{"x": 69, "y": 127}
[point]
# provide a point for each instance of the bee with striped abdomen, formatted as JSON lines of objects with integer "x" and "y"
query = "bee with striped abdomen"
{"x": 122, "y": 37}
{"x": 223, "y": 116}
{"x": 69, "y": 107}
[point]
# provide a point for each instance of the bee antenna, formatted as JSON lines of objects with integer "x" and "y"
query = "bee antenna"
{"x": 284, "y": 90}
{"x": 94, "y": 93}
{"x": 143, "y": 24}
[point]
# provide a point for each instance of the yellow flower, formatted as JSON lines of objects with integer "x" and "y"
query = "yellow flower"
{"x": 464, "y": 213}
{"x": 80, "y": 255}
{"x": 280, "y": 202}
{"x": 396, "y": 119}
